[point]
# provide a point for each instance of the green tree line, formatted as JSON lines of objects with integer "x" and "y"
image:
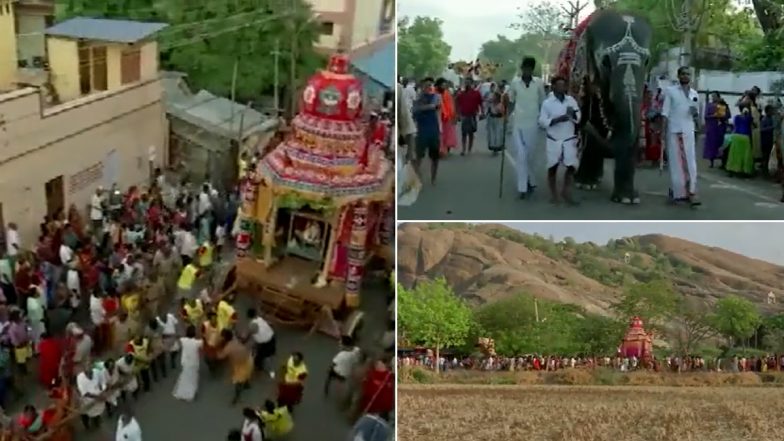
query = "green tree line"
{"x": 432, "y": 315}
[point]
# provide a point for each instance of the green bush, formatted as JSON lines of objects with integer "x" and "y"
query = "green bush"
{"x": 421, "y": 376}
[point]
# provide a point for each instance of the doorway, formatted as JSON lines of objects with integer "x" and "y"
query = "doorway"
{"x": 55, "y": 195}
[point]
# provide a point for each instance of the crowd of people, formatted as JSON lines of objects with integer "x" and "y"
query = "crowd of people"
{"x": 115, "y": 304}
{"x": 437, "y": 115}
{"x": 533, "y": 362}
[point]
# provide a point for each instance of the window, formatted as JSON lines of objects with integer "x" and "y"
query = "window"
{"x": 327, "y": 28}
{"x": 131, "y": 66}
{"x": 49, "y": 20}
{"x": 85, "y": 83}
{"x": 92, "y": 69}
{"x": 100, "y": 81}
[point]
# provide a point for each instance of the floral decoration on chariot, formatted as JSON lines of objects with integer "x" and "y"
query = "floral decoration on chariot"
{"x": 354, "y": 99}
{"x": 309, "y": 95}
{"x": 329, "y": 98}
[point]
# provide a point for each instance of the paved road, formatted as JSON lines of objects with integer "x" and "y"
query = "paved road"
{"x": 467, "y": 189}
{"x": 211, "y": 416}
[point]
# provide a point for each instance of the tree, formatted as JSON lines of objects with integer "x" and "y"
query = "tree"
{"x": 421, "y": 49}
{"x": 206, "y": 37}
{"x": 735, "y": 318}
{"x": 546, "y": 23}
{"x": 770, "y": 14}
{"x": 654, "y": 302}
{"x": 691, "y": 327}
{"x": 432, "y": 315}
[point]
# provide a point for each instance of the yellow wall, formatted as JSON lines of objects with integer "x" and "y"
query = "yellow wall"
{"x": 113, "y": 63}
{"x": 8, "y": 60}
{"x": 331, "y": 41}
{"x": 64, "y": 64}
{"x": 329, "y": 5}
{"x": 72, "y": 137}
{"x": 149, "y": 60}
{"x": 367, "y": 16}
{"x": 30, "y": 41}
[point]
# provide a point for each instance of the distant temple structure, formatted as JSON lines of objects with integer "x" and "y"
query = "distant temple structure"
{"x": 637, "y": 343}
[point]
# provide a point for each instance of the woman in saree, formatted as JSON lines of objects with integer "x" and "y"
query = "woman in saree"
{"x": 740, "y": 160}
{"x": 716, "y": 116}
{"x": 496, "y": 115}
{"x": 50, "y": 354}
{"x": 448, "y": 118}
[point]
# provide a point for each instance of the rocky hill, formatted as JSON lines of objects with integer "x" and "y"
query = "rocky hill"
{"x": 489, "y": 261}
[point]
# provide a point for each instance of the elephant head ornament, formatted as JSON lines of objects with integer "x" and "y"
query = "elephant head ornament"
{"x": 607, "y": 70}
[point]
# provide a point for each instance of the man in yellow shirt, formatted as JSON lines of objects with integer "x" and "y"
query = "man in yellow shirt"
{"x": 227, "y": 315}
{"x": 186, "y": 281}
{"x": 292, "y": 384}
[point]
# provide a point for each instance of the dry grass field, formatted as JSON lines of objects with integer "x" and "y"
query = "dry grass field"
{"x": 588, "y": 413}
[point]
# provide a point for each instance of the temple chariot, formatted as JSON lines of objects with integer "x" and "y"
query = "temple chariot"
{"x": 318, "y": 207}
{"x": 637, "y": 343}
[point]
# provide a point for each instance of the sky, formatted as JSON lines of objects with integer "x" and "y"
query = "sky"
{"x": 758, "y": 240}
{"x": 469, "y": 23}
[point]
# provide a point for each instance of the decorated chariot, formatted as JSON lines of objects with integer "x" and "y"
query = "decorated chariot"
{"x": 318, "y": 206}
{"x": 637, "y": 343}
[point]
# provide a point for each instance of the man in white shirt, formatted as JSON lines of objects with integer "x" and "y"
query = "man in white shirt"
{"x": 128, "y": 428}
{"x": 90, "y": 388}
{"x": 343, "y": 363}
{"x": 188, "y": 246}
{"x": 679, "y": 111}
{"x": 12, "y": 241}
{"x": 96, "y": 212}
{"x": 409, "y": 93}
{"x": 205, "y": 204}
{"x": 527, "y": 94}
{"x": 559, "y": 116}
{"x": 263, "y": 337}
{"x": 66, "y": 254}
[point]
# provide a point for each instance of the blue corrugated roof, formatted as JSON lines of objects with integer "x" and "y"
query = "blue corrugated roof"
{"x": 380, "y": 65}
{"x": 116, "y": 31}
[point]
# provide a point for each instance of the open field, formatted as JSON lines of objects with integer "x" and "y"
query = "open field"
{"x": 588, "y": 413}
{"x": 591, "y": 377}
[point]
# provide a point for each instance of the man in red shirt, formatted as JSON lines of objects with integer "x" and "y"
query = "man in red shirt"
{"x": 469, "y": 103}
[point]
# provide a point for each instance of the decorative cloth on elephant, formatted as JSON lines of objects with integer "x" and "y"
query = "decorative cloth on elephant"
{"x": 561, "y": 137}
{"x": 679, "y": 109}
{"x": 572, "y": 60}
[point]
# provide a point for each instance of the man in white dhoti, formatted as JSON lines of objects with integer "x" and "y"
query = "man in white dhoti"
{"x": 187, "y": 384}
{"x": 679, "y": 112}
{"x": 128, "y": 428}
{"x": 90, "y": 388}
{"x": 527, "y": 94}
{"x": 560, "y": 114}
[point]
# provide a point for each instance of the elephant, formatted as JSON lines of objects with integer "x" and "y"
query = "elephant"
{"x": 606, "y": 63}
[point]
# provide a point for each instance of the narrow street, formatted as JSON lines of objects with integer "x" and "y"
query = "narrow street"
{"x": 211, "y": 416}
{"x": 468, "y": 188}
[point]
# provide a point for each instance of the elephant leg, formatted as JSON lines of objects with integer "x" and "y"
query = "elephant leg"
{"x": 589, "y": 173}
{"x": 623, "y": 186}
